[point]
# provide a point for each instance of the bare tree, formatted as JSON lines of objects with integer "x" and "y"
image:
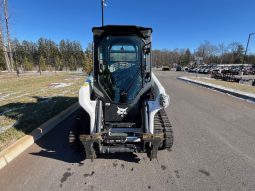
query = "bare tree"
{"x": 8, "y": 33}
{"x": 2, "y": 42}
{"x": 8, "y": 67}
{"x": 207, "y": 51}
{"x": 222, "y": 51}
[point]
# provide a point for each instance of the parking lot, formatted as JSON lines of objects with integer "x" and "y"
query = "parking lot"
{"x": 240, "y": 73}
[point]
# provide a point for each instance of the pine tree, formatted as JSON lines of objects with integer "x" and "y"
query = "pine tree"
{"x": 27, "y": 64}
{"x": 88, "y": 65}
{"x": 72, "y": 63}
{"x": 187, "y": 57}
{"x": 42, "y": 63}
{"x": 2, "y": 60}
{"x": 58, "y": 63}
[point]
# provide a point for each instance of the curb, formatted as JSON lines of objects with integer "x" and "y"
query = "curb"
{"x": 236, "y": 93}
{"x": 14, "y": 150}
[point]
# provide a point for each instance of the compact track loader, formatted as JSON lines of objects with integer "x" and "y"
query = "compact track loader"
{"x": 122, "y": 103}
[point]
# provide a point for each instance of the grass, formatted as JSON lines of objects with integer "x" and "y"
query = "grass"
{"x": 232, "y": 85}
{"x": 29, "y": 101}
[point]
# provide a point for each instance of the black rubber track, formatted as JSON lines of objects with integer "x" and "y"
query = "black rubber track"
{"x": 163, "y": 125}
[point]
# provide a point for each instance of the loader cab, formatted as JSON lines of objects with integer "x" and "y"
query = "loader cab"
{"x": 122, "y": 61}
{"x": 122, "y": 69}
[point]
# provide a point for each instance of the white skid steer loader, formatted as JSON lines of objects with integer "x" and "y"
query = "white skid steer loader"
{"x": 122, "y": 103}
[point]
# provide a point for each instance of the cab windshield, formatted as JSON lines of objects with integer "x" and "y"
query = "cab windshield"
{"x": 120, "y": 67}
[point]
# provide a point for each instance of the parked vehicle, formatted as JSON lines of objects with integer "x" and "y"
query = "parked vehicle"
{"x": 165, "y": 68}
{"x": 178, "y": 68}
{"x": 185, "y": 69}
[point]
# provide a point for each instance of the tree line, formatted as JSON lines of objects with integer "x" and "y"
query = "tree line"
{"x": 46, "y": 54}
{"x": 234, "y": 53}
{"x": 42, "y": 55}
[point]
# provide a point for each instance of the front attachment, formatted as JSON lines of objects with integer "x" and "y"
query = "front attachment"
{"x": 154, "y": 142}
{"x": 89, "y": 142}
{"x": 150, "y": 143}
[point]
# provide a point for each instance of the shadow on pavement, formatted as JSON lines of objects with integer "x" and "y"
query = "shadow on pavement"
{"x": 128, "y": 157}
{"x": 55, "y": 144}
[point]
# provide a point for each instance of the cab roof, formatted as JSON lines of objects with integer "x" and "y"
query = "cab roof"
{"x": 122, "y": 30}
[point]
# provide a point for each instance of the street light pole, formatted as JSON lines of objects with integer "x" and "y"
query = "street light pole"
{"x": 102, "y": 6}
{"x": 247, "y": 46}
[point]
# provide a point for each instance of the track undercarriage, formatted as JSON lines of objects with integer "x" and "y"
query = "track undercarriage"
{"x": 106, "y": 142}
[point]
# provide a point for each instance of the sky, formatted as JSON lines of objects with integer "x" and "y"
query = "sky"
{"x": 176, "y": 23}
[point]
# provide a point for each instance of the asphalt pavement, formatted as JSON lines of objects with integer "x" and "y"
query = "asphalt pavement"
{"x": 214, "y": 149}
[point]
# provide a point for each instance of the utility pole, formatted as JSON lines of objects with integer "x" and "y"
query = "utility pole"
{"x": 247, "y": 46}
{"x": 8, "y": 33}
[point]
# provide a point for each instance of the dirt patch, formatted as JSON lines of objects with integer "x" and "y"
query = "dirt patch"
{"x": 177, "y": 174}
{"x": 59, "y": 85}
{"x": 163, "y": 167}
{"x": 87, "y": 175}
{"x": 66, "y": 175}
{"x": 205, "y": 172}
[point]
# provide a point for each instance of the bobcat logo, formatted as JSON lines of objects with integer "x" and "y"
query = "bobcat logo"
{"x": 122, "y": 111}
